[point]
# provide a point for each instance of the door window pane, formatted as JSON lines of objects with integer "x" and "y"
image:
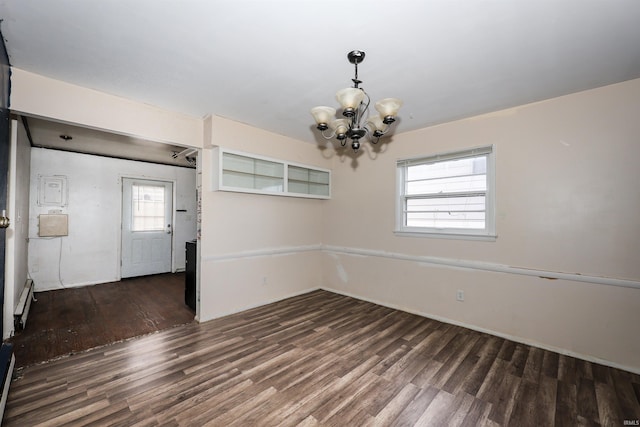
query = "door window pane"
{"x": 147, "y": 208}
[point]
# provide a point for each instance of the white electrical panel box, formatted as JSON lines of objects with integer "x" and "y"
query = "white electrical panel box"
{"x": 52, "y": 190}
{"x": 53, "y": 225}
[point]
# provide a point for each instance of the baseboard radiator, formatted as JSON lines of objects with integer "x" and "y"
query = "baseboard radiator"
{"x": 22, "y": 309}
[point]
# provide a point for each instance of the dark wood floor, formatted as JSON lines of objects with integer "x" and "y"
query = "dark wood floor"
{"x": 322, "y": 359}
{"x": 70, "y": 320}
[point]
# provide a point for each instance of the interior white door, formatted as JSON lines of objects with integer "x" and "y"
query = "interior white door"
{"x": 147, "y": 228}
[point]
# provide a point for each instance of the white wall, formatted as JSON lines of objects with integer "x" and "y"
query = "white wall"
{"x": 90, "y": 254}
{"x": 18, "y": 213}
{"x": 567, "y": 206}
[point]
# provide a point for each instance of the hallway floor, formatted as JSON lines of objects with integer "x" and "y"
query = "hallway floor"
{"x": 67, "y": 321}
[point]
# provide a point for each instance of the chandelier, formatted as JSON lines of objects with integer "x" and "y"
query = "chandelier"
{"x": 355, "y": 108}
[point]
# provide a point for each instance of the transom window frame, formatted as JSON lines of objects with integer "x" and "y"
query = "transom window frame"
{"x": 290, "y": 184}
{"x": 488, "y": 233}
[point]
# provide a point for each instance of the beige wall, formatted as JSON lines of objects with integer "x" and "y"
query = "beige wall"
{"x": 567, "y": 202}
{"x": 36, "y": 95}
{"x": 255, "y": 248}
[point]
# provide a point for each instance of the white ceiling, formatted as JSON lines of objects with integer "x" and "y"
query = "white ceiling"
{"x": 267, "y": 62}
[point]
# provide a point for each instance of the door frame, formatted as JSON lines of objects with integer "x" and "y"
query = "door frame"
{"x": 173, "y": 181}
{"x": 5, "y": 143}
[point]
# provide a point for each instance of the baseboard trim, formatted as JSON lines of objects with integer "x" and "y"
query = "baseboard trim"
{"x": 517, "y": 339}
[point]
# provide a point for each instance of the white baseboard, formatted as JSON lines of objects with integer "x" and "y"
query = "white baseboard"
{"x": 521, "y": 340}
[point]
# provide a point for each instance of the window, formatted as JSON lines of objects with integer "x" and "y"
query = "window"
{"x": 147, "y": 209}
{"x": 248, "y": 173}
{"x": 251, "y": 173}
{"x": 308, "y": 181}
{"x": 448, "y": 194}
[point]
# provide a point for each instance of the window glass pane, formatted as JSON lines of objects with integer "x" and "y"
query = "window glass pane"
{"x": 456, "y": 184}
{"x": 467, "y": 166}
{"x": 308, "y": 181}
{"x": 474, "y": 220}
{"x": 266, "y": 183}
{"x": 452, "y": 176}
{"x": 447, "y": 204}
{"x": 233, "y": 162}
{"x": 237, "y": 179}
{"x": 447, "y": 212}
{"x": 147, "y": 207}
{"x": 320, "y": 177}
{"x": 256, "y": 174}
{"x": 298, "y": 174}
{"x": 266, "y": 168}
{"x": 319, "y": 189}
{"x": 299, "y": 187}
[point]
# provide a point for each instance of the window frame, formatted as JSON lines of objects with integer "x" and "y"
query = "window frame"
{"x": 218, "y": 182}
{"x": 135, "y": 203}
{"x": 487, "y": 233}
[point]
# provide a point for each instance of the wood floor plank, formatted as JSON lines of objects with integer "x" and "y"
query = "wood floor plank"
{"x": 478, "y": 414}
{"x": 395, "y": 406}
{"x": 566, "y": 404}
{"x": 608, "y": 405}
{"x": 414, "y": 410}
{"x": 320, "y": 359}
{"x": 504, "y": 398}
{"x": 587, "y": 404}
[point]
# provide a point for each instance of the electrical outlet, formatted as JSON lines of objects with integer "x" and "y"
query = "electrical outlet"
{"x": 459, "y": 295}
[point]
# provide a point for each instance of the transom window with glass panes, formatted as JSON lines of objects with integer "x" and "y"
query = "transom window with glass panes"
{"x": 448, "y": 194}
{"x": 248, "y": 173}
{"x": 252, "y": 173}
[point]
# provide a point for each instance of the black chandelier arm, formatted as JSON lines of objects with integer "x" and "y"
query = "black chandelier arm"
{"x": 364, "y": 110}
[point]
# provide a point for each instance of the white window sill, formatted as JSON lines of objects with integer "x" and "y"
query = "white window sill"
{"x": 445, "y": 235}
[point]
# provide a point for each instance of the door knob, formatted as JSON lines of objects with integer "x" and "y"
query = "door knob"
{"x": 4, "y": 221}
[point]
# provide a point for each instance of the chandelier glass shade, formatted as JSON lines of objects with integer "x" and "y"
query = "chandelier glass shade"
{"x": 357, "y": 122}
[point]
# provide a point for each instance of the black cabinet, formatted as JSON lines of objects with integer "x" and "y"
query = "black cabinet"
{"x": 190, "y": 274}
